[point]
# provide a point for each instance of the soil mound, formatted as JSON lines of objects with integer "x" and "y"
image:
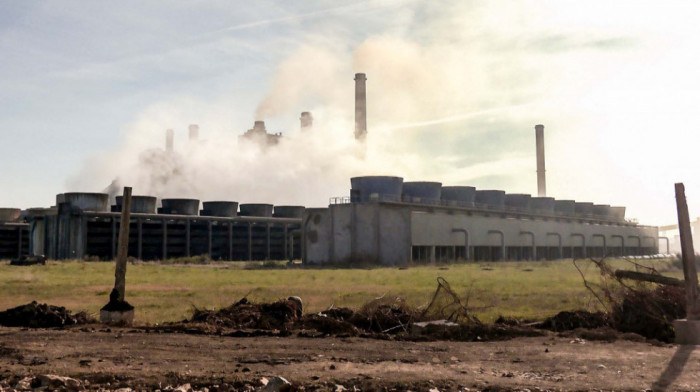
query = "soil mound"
{"x": 382, "y": 315}
{"x": 243, "y": 314}
{"x": 34, "y": 315}
{"x": 567, "y": 321}
{"x": 327, "y": 325}
{"x": 650, "y": 313}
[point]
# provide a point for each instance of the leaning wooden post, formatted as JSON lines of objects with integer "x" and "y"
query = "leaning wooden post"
{"x": 123, "y": 247}
{"x": 118, "y": 310}
{"x": 688, "y": 330}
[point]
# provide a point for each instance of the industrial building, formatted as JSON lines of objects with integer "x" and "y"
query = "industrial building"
{"x": 85, "y": 226}
{"x": 384, "y": 221}
{"x": 259, "y": 133}
{"x": 388, "y": 221}
{"x": 14, "y": 234}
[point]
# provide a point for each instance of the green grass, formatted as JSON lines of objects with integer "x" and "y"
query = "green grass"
{"x": 532, "y": 290}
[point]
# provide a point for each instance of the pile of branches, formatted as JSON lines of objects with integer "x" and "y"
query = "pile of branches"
{"x": 635, "y": 306}
{"x": 246, "y": 315}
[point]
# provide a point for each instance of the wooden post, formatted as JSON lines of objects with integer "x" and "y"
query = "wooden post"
{"x": 689, "y": 272}
{"x": 123, "y": 247}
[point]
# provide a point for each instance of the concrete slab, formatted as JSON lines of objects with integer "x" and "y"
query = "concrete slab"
{"x": 122, "y": 317}
{"x": 687, "y": 331}
{"x": 435, "y": 325}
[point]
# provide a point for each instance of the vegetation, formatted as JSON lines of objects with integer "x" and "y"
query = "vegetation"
{"x": 168, "y": 292}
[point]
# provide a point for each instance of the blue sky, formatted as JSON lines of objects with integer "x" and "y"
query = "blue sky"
{"x": 454, "y": 90}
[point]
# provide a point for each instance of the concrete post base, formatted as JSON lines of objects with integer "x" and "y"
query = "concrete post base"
{"x": 687, "y": 331}
{"x": 125, "y": 317}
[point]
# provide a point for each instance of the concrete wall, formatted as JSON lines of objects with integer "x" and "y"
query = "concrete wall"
{"x": 357, "y": 233}
{"x": 436, "y": 229}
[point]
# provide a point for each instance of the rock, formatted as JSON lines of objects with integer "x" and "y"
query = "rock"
{"x": 277, "y": 384}
{"x": 52, "y": 381}
{"x": 124, "y": 390}
{"x": 24, "y": 384}
{"x": 183, "y": 388}
{"x": 340, "y": 388}
{"x": 601, "y": 366}
{"x": 299, "y": 305}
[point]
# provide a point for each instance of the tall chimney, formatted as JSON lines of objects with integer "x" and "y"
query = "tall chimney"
{"x": 360, "y": 106}
{"x": 541, "y": 181}
{"x": 169, "y": 140}
{"x": 194, "y": 132}
{"x": 307, "y": 121}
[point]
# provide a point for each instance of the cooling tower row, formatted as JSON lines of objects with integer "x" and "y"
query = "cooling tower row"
{"x": 394, "y": 189}
{"x": 99, "y": 202}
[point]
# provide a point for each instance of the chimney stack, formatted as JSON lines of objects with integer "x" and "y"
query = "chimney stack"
{"x": 169, "y": 140}
{"x": 360, "y": 106}
{"x": 259, "y": 127}
{"x": 194, "y": 132}
{"x": 307, "y": 121}
{"x": 541, "y": 181}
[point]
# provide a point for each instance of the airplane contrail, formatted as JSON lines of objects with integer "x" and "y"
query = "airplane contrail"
{"x": 264, "y": 22}
{"x": 457, "y": 117}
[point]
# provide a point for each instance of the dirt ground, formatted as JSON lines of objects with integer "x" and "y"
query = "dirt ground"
{"x": 121, "y": 357}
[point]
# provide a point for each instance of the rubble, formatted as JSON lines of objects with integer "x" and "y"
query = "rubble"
{"x": 35, "y": 315}
{"x": 243, "y": 314}
{"x": 276, "y": 384}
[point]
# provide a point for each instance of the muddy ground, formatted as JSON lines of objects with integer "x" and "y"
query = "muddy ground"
{"x": 123, "y": 357}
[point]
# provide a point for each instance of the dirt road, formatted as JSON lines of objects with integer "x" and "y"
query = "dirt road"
{"x": 115, "y": 358}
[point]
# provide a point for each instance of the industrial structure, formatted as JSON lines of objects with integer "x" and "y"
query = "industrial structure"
{"x": 388, "y": 221}
{"x": 360, "y": 106}
{"x": 260, "y": 135}
{"x": 14, "y": 234}
{"x": 84, "y": 226}
{"x": 384, "y": 221}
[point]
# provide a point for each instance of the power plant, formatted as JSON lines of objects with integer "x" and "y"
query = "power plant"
{"x": 388, "y": 221}
{"x": 385, "y": 220}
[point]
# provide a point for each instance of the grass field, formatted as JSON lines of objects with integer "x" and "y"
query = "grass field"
{"x": 532, "y": 290}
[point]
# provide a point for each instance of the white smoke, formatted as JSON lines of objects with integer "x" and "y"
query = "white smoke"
{"x": 453, "y": 95}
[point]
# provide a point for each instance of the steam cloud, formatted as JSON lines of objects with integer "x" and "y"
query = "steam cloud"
{"x": 447, "y": 101}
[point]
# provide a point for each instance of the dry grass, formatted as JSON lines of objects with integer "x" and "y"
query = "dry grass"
{"x": 532, "y": 290}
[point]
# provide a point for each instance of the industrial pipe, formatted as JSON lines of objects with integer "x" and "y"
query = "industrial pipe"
{"x": 559, "y": 248}
{"x": 503, "y": 242}
{"x": 583, "y": 244}
{"x": 534, "y": 248}
{"x": 466, "y": 241}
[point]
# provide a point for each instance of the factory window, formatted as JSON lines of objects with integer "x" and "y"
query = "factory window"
{"x": 420, "y": 254}
{"x": 460, "y": 253}
{"x": 444, "y": 253}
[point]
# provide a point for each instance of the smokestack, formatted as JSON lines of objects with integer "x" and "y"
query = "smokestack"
{"x": 194, "y": 132}
{"x": 307, "y": 121}
{"x": 360, "y": 106}
{"x": 169, "y": 140}
{"x": 541, "y": 181}
{"x": 259, "y": 127}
